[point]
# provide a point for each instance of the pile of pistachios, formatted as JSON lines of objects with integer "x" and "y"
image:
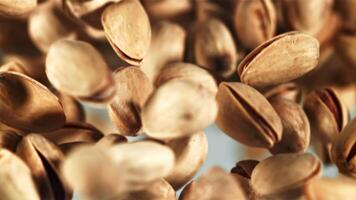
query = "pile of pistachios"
{"x": 277, "y": 75}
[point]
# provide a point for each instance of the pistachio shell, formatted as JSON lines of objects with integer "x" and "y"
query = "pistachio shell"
{"x": 9, "y": 140}
{"x": 15, "y": 178}
{"x": 294, "y": 171}
{"x": 245, "y": 168}
{"x": 80, "y": 8}
{"x": 28, "y": 105}
{"x": 18, "y": 8}
{"x": 281, "y": 59}
{"x": 288, "y": 91}
{"x": 167, "y": 8}
{"x": 71, "y": 62}
{"x": 190, "y": 153}
{"x": 13, "y": 66}
{"x": 128, "y": 30}
{"x": 178, "y": 108}
{"x": 111, "y": 139}
{"x": 328, "y": 188}
{"x": 346, "y": 48}
{"x": 73, "y": 110}
{"x": 133, "y": 89}
{"x": 246, "y": 115}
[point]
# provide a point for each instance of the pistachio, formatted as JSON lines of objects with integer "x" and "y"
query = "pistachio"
{"x": 280, "y": 59}
{"x": 296, "y": 129}
{"x": 69, "y": 62}
{"x": 111, "y": 139}
{"x": 343, "y": 152}
{"x": 15, "y": 178}
{"x": 246, "y": 116}
{"x": 346, "y": 48}
{"x": 13, "y": 66}
{"x": 18, "y": 8}
{"x": 178, "y": 108}
{"x": 289, "y": 91}
{"x": 73, "y": 110}
{"x": 294, "y": 172}
{"x": 170, "y": 9}
{"x": 242, "y": 174}
{"x": 347, "y": 11}
{"x": 44, "y": 158}
{"x": 28, "y": 105}
{"x": 164, "y": 48}
{"x": 81, "y": 8}
{"x": 327, "y": 114}
{"x": 133, "y": 89}
{"x": 214, "y": 179}
{"x": 181, "y": 71}
{"x": 129, "y": 33}
{"x": 190, "y": 153}
{"x": 255, "y": 22}
{"x": 9, "y": 140}
{"x": 214, "y": 48}
{"x": 328, "y": 188}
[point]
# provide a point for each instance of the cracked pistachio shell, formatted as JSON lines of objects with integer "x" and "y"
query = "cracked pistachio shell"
{"x": 167, "y": 45}
{"x": 296, "y": 129}
{"x": 28, "y": 105}
{"x": 133, "y": 89}
{"x": 16, "y": 8}
{"x": 9, "y": 140}
{"x": 246, "y": 115}
{"x": 280, "y": 59}
{"x": 92, "y": 174}
{"x": 346, "y": 47}
{"x": 76, "y": 68}
{"x": 44, "y": 159}
{"x": 142, "y": 162}
{"x": 73, "y": 110}
{"x": 15, "y": 178}
{"x": 53, "y": 25}
{"x": 343, "y": 152}
{"x": 214, "y": 48}
{"x": 128, "y": 30}
{"x": 255, "y": 21}
{"x": 190, "y": 153}
{"x": 181, "y": 71}
{"x": 178, "y": 108}
{"x": 328, "y": 188}
{"x": 289, "y": 91}
{"x": 326, "y": 112}
{"x": 214, "y": 184}
{"x": 111, "y": 139}
{"x": 284, "y": 173}
{"x": 245, "y": 168}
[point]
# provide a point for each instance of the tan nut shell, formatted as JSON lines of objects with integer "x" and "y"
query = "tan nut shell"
{"x": 328, "y": 188}
{"x": 16, "y": 8}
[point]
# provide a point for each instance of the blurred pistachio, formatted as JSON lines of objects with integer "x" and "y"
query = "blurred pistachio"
{"x": 164, "y": 48}
{"x": 44, "y": 159}
{"x": 133, "y": 89}
{"x": 246, "y": 116}
{"x": 81, "y": 8}
{"x": 190, "y": 153}
{"x": 15, "y": 178}
{"x": 167, "y": 9}
{"x": 111, "y": 140}
{"x": 18, "y": 8}
{"x": 255, "y": 21}
{"x": 27, "y": 105}
{"x": 13, "y": 66}
{"x": 290, "y": 91}
{"x": 69, "y": 62}
{"x": 178, "y": 108}
{"x": 129, "y": 33}
{"x": 276, "y": 61}
{"x": 346, "y": 48}
{"x": 9, "y": 140}
{"x": 347, "y": 11}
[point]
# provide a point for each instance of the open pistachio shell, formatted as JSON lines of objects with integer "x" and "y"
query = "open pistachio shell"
{"x": 178, "y": 108}
{"x": 15, "y": 178}
{"x": 343, "y": 152}
{"x": 246, "y": 115}
{"x": 44, "y": 159}
{"x": 326, "y": 113}
{"x": 190, "y": 153}
{"x": 128, "y": 30}
{"x": 280, "y": 59}
{"x": 9, "y": 140}
{"x": 28, "y": 105}
{"x": 284, "y": 173}
{"x": 18, "y": 8}
{"x": 71, "y": 62}
{"x": 133, "y": 89}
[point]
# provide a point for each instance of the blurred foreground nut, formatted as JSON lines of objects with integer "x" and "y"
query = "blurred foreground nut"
{"x": 133, "y": 89}
{"x": 18, "y": 8}
{"x": 214, "y": 48}
{"x": 71, "y": 62}
{"x": 296, "y": 129}
{"x": 164, "y": 48}
{"x": 326, "y": 112}
{"x": 15, "y": 178}
{"x": 213, "y": 184}
{"x": 343, "y": 152}
{"x": 178, "y": 108}
{"x": 44, "y": 159}
{"x": 190, "y": 153}
{"x": 327, "y": 188}
{"x": 28, "y": 105}
{"x": 128, "y": 30}
{"x": 188, "y": 71}
{"x": 255, "y": 22}
{"x": 281, "y": 59}
{"x": 246, "y": 115}
{"x": 92, "y": 174}
{"x": 284, "y": 176}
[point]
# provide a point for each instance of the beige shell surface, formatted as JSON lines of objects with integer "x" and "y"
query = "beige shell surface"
{"x": 16, "y": 8}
